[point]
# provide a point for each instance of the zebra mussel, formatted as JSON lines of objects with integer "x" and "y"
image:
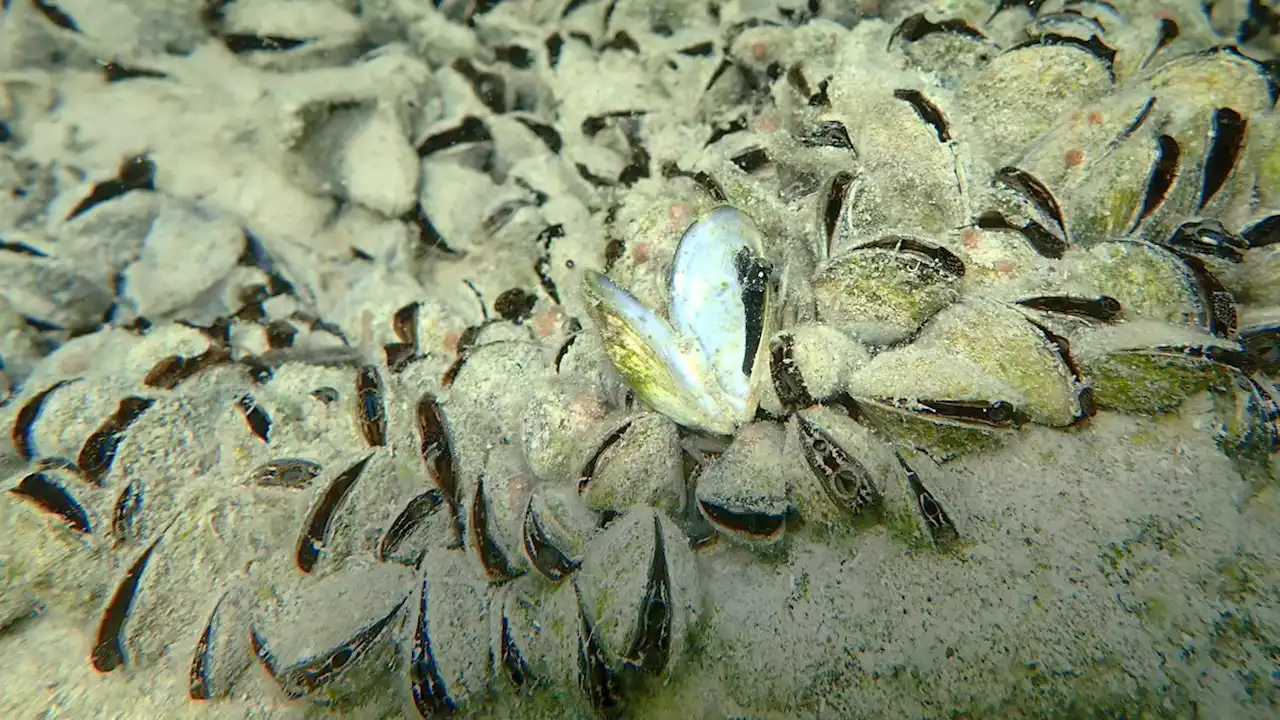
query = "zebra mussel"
{"x": 767, "y": 370}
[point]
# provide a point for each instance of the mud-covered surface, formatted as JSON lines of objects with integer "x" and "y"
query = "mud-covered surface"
{"x": 349, "y": 362}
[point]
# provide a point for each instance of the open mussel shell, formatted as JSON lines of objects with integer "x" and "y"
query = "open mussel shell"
{"x": 639, "y": 462}
{"x": 1147, "y": 367}
{"x": 309, "y": 640}
{"x": 743, "y": 493}
{"x": 721, "y": 294}
{"x": 881, "y": 292}
{"x": 639, "y": 586}
{"x": 555, "y": 530}
{"x": 809, "y": 362}
{"x": 667, "y": 371}
{"x": 449, "y": 659}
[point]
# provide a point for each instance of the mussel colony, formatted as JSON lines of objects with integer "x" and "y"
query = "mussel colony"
{"x": 644, "y": 358}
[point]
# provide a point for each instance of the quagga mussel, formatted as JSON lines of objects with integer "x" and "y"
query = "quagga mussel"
{"x": 804, "y": 397}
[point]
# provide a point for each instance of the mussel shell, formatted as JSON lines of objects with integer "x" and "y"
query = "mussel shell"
{"x": 1252, "y": 426}
{"x": 495, "y": 514}
{"x": 950, "y": 47}
{"x": 722, "y": 295}
{"x": 539, "y": 642}
{"x": 53, "y": 553}
{"x": 639, "y": 463}
{"x": 1114, "y": 191}
{"x": 389, "y": 483}
{"x": 639, "y": 586}
{"x": 172, "y": 601}
{"x": 533, "y": 629}
{"x": 564, "y": 423}
{"x": 222, "y": 653}
{"x": 1220, "y": 77}
{"x": 1253, "y": 281}
{"x": 665, "y": 369}
{"x": 1022, "y": 92}
{"x": 79, "y": 301}
{"x": 943, "y": 430}
{"x": 1153, "y": 367}
{"x": 977, "y": 351}
{"x": 1215, "y": 179}
{"x": 449, "y": 652}
{"x": 1091, "y": 133}
{"x": 928, "y": 519}
{"x": 555, "y": 530}
{"x": 485, "y": 383}
{"x": 55, "y": 494}
{"x": 846, "y": 470}
{"x": 906, "y": 179}
{"x": 322, "y": 631}
{"x": 743, "y": 493}
{"x": 1260, "y": 334}
{"x": 883, "y": 291}
{"x": 1151, "y": 283}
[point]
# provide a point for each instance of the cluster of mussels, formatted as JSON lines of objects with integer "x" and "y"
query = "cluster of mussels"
{"x": 1045, "y": 210}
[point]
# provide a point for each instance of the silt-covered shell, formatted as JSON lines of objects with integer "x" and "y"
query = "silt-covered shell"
{"x": 905, "y": 180}
{"x": 495, "y": 514}
{"x": 1148, "y": 367}
{"x": 809, "y": 362}
{"x": 846, "y": 472}
{"x": 882, "y": 291}
{"x": 640, "y": 462}
{"x": 1151, "y": 283}
{"x": 449, "y": 661}
{"x": 743, "y": 493}
{"x": 981, "y": 353}
{"x": 320, "y": 630}
{"x": 639, "y": 585}
{"x": 556, "y": 528}
{"x": 561, "y": 426}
